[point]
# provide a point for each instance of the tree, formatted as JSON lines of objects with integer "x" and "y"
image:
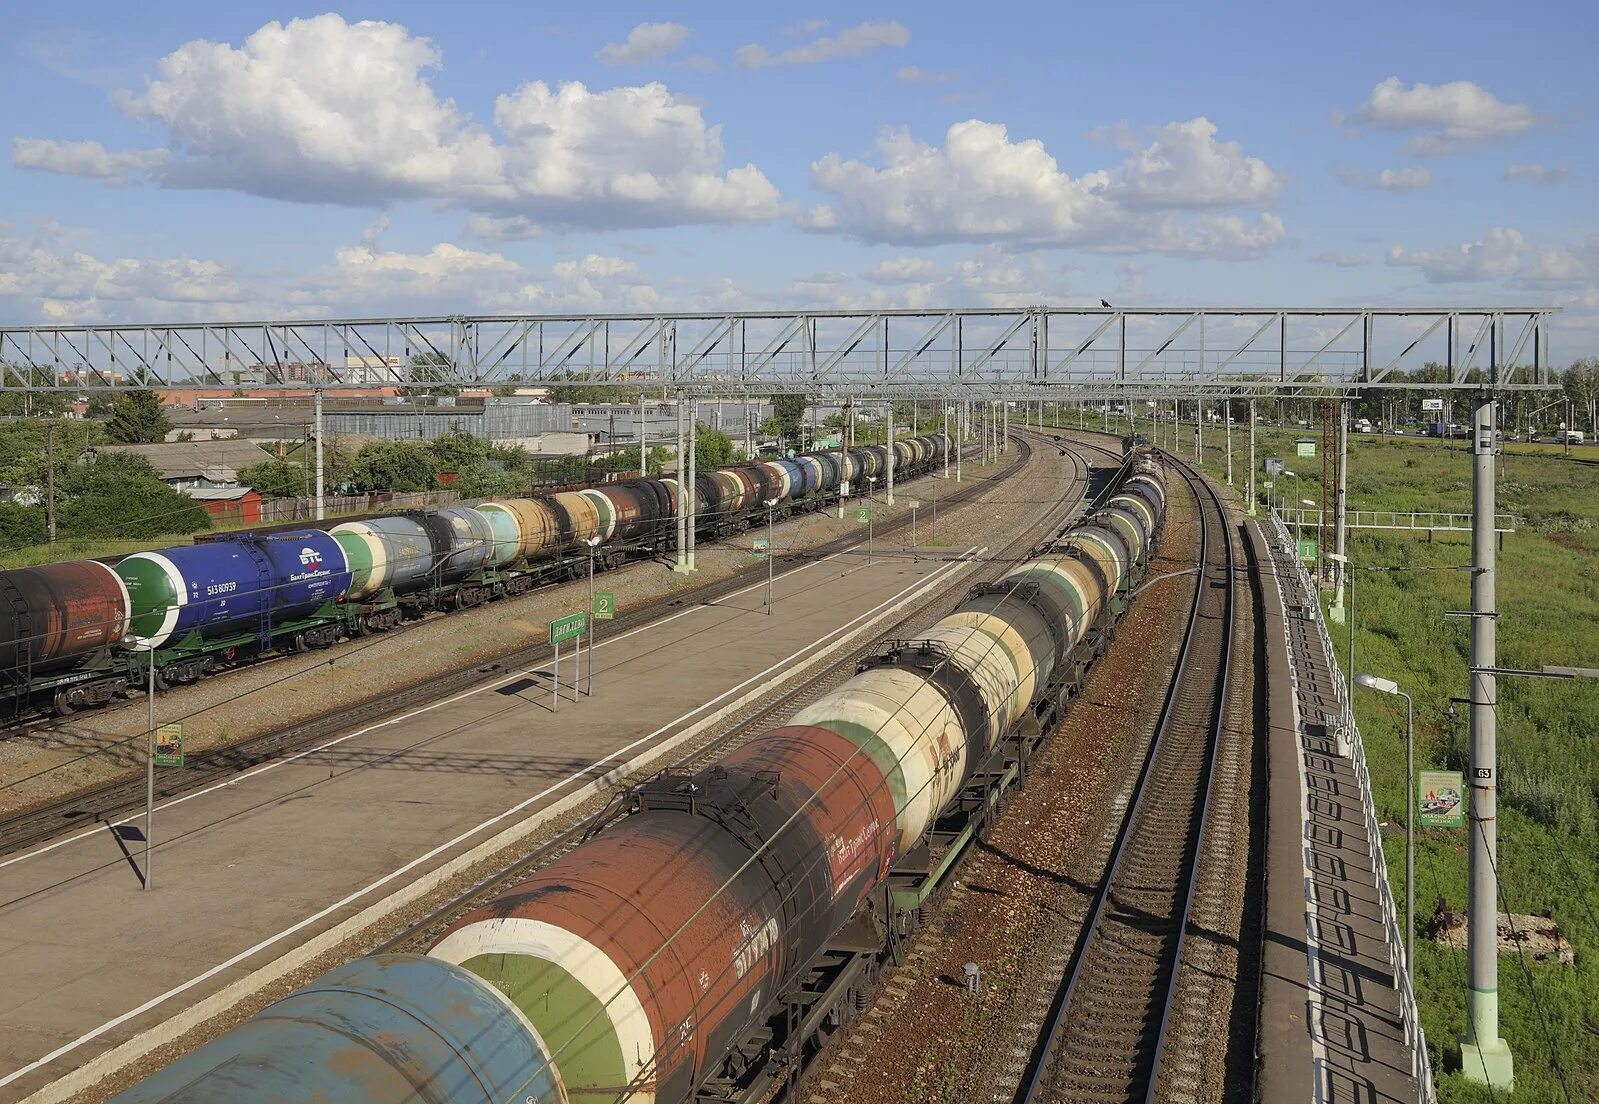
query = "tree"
{"x": 120, "y": 496}
{"x": 788, "y": 411}
{"x": 137, "y": 418}
{"x": 31, "y": 404}
{"x": 274, "y": 478}
{"x": 431, "y": 375}
{"x": 712, "y": 448}
{"x": 395, "y": 466}
{"x": 457, "y": 450}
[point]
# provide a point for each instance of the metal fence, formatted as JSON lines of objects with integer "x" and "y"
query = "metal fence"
{"x": 1415, "y": 1037}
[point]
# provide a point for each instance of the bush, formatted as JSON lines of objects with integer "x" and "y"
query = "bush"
{"x": 119, "y": 496}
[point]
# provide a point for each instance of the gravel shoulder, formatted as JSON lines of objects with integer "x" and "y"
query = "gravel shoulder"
{"x": 91, "y": 748}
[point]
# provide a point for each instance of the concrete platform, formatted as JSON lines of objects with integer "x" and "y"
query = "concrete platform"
{"x": 1331, "y": 1026}
{"x": 248, "y": 869}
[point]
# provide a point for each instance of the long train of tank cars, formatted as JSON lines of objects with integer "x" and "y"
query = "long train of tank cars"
{"x": 638, "y": 965}
{"x": 77, "y": 634}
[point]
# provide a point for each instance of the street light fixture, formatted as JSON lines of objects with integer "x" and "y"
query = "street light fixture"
{"x": 1389, "y": 686}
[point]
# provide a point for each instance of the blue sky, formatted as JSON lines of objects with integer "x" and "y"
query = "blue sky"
{"x": 185, "y": 160}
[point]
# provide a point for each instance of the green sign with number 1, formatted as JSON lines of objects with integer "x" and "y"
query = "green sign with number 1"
{"x": 604, "y": 605}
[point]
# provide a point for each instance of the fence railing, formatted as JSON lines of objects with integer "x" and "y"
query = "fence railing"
{"x": 1416, "y": 520}
{"x": 1415, "y": 1037}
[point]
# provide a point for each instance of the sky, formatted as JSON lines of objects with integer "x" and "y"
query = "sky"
{"x": 198, "y": 161}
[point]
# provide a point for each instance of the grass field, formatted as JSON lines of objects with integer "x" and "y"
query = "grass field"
{"x": 1548, "y": 588}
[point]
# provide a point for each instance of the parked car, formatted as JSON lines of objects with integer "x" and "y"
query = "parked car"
{"x": 1569, "y": 437}
{"x": 1362, "y": 425}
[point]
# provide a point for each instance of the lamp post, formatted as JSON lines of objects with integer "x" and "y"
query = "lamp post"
{"x": 771, "y": 502}
{"x": 1389, "y": 686}
{"x": 871, "y": 520}
{"x": 149, "y": 761}
{"x": 592, "y": 542}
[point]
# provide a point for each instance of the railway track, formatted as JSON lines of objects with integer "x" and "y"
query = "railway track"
{"x": 1105, "y": 1038}
{"x": 763, "y": 715}
{"x": 106, "y": 801}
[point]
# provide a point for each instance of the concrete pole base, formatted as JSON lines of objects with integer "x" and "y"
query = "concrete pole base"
{"x": 1336, "y": 613}
{"x": 691, "y": 564}
{"x": 681, "y": 566}
{"x": 1488, "y": 1064}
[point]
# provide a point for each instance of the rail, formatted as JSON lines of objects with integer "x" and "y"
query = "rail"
{"x": 1415, "y": 1037}
{"x": 106, "y": 800}
{"x": 1141, "y": 833}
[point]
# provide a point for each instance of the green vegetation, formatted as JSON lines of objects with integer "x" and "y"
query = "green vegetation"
{"x": 137, "y": 418}
{"x": 1548, "y": 733}
{"x": 1548, "y": 585}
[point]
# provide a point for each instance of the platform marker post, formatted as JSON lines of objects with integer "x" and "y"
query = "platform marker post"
{"x": 555, "y": 685}
{"x": 149, "y": 782}
{"x": 1251, "y": 458}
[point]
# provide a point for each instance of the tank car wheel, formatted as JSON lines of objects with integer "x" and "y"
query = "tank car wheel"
{"x": 300, "y": 644}
{"x": 62, "y": 706}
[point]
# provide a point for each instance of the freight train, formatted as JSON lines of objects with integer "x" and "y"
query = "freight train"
{"x": 712, "y": 929}
{"x": 81, "y": 633}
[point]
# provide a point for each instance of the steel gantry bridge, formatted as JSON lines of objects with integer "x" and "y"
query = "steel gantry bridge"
{"x": 970, "y": 353}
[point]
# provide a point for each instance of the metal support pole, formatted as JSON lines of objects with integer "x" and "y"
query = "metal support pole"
{"x": 1229, "y": 409}
{"x": 50, "y": 481}
{"x": 693, "y": 482}
{"x": 946, "y": 440}
{"x": 962, "y": 426}
{"x": 149, "y": 782}
{"x": 1340, "y": 501}
{"x": 1251, "y": 457}
{"x": 769, "y": 554}
{"x": 555, "y": 684}
{"x": 316, "y": 401}
{"x": 682, "y": 494}
{"x": 1484, "y": 1056}
{"x": 594, "y": 625}
{"x": 889, "y": 498}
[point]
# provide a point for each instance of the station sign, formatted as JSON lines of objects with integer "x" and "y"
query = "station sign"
{"x": 913, "y": 504}
{"x": 1432, "y": 404}
{"x": 863, "y": 514}
{"x": 604, "y": 605}
{"x": 759, "y": 547}
{"x": 1307, "y": 548}
{"x": 569, "y": 627}
{"x": 1440, "y": 799}
{"x": 1305, "y": 447}
{"x": 169, "y": 745}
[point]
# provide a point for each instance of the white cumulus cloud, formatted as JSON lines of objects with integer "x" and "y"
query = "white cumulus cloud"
{"x": 980, "y": 185}
{"x": 903, "y": 270}
{"x": 321, "y": 110}
{"x": 644, "y": 42}
{"x": 847, "y": 43}
{"x": 85, "y": 158}
{"x": 1184, "y": 166}
{"x": 1538, "y": 174}
{"x": 1503, "y": 253}
{"x": 1448, "y": 117}
{"x": 1389, "y": 180}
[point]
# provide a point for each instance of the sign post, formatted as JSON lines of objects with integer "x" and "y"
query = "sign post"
{"x": 914, "y": 503}
{"x": 169, "y": 745}
{"x": 570, "y": 627}
{"x": 1440, "y": 799}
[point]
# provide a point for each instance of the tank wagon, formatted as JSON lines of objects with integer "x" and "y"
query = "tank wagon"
{"x": 715, "y": 926}
{"x": 78, "y": 634}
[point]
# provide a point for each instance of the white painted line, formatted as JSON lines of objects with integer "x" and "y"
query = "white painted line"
{"x": 418, "y": 711}
{"x": 815, "y": 648}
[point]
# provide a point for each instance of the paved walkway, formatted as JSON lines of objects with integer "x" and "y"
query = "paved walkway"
{"x": 246, "y": 870}
{"x": 1331, "y": 1028}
